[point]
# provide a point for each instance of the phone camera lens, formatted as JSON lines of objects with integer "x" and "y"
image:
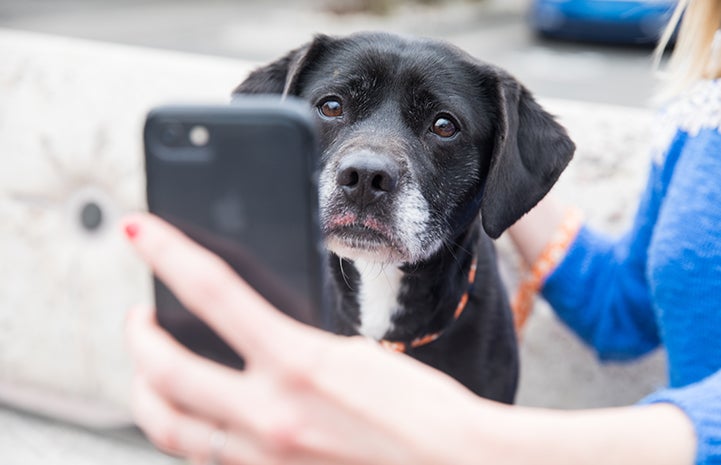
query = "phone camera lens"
{"x": 171, "y": 134}
{"x": 199, "y": 136}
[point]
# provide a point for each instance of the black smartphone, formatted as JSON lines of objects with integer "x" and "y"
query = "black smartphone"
{"x": 239, "y": 179}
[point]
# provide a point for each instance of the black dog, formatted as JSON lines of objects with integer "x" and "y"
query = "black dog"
{"x": 417, "y": 138}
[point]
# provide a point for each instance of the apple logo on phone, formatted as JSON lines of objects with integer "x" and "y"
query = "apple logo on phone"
{"x": 228, "y": 213}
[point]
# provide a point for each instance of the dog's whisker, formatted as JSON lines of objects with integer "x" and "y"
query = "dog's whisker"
{"x": 381, "y": 269}
{"x": 385, "y": 275}
{"x": 452, "y": 246}
{"x": 449, "y": 247}
{"x": 342, "y": 272}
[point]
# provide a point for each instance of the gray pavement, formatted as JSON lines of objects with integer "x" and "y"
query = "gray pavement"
{"x": 29, "y": 440}
{"x": 493, "y": 30}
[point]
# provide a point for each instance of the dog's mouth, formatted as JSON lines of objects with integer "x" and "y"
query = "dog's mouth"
{"x": 352, "y": 237}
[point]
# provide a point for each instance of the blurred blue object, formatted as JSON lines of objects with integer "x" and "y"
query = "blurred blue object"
{"x": 609, "y": 21}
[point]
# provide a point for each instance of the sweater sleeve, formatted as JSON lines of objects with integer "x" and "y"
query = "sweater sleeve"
{"x": 701, "y": 402}
{"x": 600, "y": 288}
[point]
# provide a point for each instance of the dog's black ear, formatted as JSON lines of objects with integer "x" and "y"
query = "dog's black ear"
{"x": 282, "y": 75}
{"x": 530, "y": 151}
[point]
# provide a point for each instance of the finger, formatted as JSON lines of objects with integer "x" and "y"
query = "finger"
{"x": 178, "y": 433}
{"x": 208, "y": 287}
{"x": 262, "y": 413}
{"x": 258, "y": 404}
{"x": 186, "y": 380}
{"x": 270, "y": 420}
{"x": 171, "y": 430}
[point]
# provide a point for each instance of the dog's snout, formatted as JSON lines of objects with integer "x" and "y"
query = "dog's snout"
{"x": 365, "y": 178}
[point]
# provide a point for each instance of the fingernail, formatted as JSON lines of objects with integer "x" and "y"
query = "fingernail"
{"x": 132, "y": 230}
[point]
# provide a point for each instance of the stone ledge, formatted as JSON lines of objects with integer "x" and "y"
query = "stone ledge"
{"x": 71, "y": 131}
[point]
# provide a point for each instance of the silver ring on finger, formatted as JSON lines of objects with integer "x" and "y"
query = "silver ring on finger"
{"x": 218, "y": 438}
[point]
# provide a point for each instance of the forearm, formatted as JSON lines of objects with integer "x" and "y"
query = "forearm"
{"x": 659, "y": 434}
{"x": 535, "y": 229}
{"x": 596, "y": 284}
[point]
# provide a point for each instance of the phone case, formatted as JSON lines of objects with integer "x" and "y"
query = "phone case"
{"x": 240, "y": 180}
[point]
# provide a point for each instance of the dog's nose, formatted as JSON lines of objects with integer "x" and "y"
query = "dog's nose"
{"x": 365, "y": 178}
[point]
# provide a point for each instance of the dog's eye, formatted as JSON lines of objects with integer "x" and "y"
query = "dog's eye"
{"x": 444, "y": 127}
{"x": 331, "y": 108}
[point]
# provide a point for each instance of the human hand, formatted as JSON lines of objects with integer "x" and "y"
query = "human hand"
{"x": 305, "y": 397}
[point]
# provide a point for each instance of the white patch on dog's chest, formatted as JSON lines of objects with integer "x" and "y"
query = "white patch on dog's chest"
{"x": 377, "y": 297}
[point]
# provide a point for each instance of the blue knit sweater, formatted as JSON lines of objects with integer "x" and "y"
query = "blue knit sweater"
{"x": 661, "y": 282}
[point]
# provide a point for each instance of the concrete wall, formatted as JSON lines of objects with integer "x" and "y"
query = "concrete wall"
{"x": 71, "y": 114}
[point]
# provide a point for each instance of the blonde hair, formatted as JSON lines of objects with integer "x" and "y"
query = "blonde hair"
{"x": 695, "y": 55}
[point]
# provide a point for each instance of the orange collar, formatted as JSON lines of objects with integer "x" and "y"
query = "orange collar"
{"x": 428, "y": 338}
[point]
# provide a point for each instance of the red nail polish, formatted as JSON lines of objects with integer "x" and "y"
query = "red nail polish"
{"x": 132, "y": 230}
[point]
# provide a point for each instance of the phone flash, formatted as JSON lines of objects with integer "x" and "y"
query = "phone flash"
{"x": 199, "y": 136}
